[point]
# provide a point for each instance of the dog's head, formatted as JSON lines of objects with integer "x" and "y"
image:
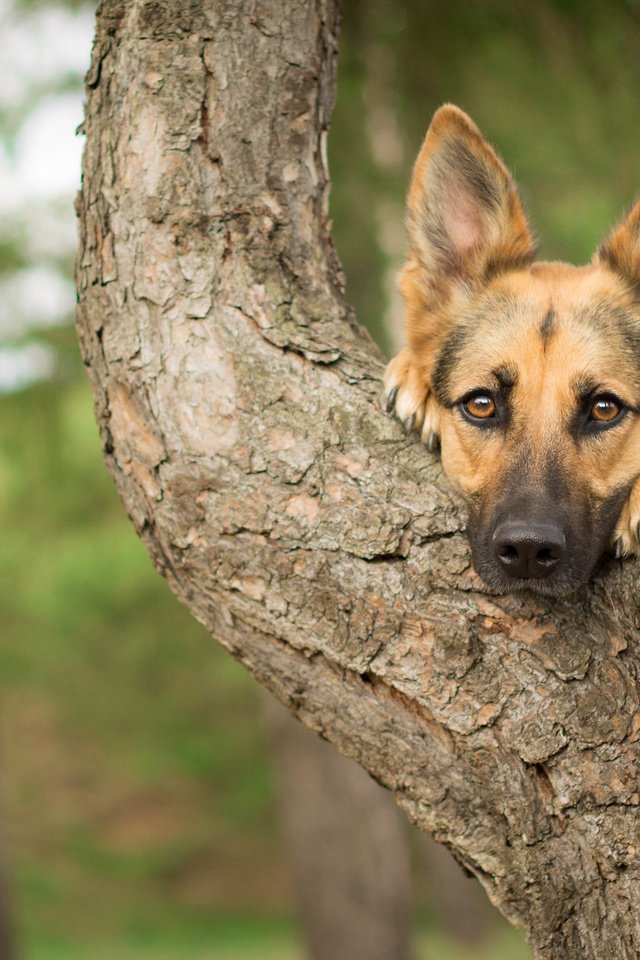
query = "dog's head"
{"x": 532, "y": 369}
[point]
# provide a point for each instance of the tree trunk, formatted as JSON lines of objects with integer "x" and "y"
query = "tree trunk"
{"x": 238, "y": 404}
{"x": 348, "y": 853}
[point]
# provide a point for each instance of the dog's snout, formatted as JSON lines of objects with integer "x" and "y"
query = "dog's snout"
{"x": 529, "y": 550}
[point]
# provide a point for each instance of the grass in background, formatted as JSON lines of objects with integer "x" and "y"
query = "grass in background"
{"x": 251, "y": 938}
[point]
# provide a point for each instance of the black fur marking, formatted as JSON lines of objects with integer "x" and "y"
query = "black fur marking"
{"x": 585, "y": 388}
{"x": 494, "y": 311}
{"x": 628, "y": 325}
{"x": 476, "y": 175}
{"x": 447, "y": 359}
{"x": 498, "y": 265}
{"x": 506, "y": 376}
{"x": 554, "y": 479}
{"x": 622, "y": 267}
{"x": 606, "y": 255}
{"x": 432, "y": 229}
{"x": 548, "y": 327}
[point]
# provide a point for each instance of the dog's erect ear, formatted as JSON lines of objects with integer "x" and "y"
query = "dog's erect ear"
{"x": 464, "y": 214}
{"x": 621, "y": 250}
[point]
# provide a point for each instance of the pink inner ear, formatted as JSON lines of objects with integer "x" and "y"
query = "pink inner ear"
{"x": 462, "y": 221}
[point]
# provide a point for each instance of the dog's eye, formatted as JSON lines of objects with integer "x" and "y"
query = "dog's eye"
{"x": 480, "y": 406}
{"x": 605, "y": 410}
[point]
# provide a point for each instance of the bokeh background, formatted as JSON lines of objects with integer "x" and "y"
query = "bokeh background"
{"x": 137, "y": 803}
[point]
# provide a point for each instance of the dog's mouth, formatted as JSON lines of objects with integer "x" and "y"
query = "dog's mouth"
{"x": 562, "y": 582}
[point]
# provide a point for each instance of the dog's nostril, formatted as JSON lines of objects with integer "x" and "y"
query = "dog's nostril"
{"x": 546, "y": 557}
{"x": 508, "y": 554}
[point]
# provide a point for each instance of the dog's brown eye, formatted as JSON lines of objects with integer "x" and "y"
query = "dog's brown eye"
{"x": 604, "y": 410}
{"x": 480, "y": 406}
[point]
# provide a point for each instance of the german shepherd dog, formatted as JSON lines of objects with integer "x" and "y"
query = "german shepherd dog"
{"x": 527, "y": 375}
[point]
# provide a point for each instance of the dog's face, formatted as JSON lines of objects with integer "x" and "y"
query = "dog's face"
{"x": 537, "y": 389}
{"x": 528, "y": 373}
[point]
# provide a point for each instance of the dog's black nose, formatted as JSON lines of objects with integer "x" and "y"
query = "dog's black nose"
{"x": 528, "y": 549}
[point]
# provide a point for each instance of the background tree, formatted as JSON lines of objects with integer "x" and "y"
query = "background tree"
{"x": 348, "y": 851}
{"x": 238, "y": 405}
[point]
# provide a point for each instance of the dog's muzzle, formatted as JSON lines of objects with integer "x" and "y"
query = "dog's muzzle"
{"x": 547, "y": 544}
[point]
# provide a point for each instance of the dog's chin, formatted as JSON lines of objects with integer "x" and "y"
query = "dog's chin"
{"x": 561, "y": 584}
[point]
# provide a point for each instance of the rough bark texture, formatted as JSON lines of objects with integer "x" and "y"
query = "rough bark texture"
{"x": 238, "y": 404}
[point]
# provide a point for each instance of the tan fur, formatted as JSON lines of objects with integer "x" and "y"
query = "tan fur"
{"x": 483, "y": 268}
{"x": 543, "y": 397}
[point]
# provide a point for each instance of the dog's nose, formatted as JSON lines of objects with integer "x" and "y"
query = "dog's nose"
{"x": 528, "y": 549}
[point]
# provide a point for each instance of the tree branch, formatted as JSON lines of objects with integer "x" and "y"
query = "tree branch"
{"x": 238, "y": 405}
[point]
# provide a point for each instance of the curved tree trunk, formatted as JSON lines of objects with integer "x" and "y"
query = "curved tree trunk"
{"x": 238, "y": 404}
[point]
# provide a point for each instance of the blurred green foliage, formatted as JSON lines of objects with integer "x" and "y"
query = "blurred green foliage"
{"x": 137, "y": 790}
{"x": 137, "y": 769}
{"x": 554, "y": 85}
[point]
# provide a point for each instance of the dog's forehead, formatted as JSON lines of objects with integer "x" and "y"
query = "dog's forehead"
{"x": 552, "y": 321}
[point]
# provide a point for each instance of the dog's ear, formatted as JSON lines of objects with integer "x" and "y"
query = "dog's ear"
{"x": 465, "y": 217}
{"x": 621, "y": 250}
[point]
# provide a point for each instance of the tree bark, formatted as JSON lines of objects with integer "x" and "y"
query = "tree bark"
{"x": 238, "y": 405}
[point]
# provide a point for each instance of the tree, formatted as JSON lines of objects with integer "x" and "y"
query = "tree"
{"x": 238, "y": 402}
{"x": 348, "y": 852}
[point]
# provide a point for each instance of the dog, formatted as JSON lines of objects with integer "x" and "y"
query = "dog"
{"x": 525, "y": 374}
